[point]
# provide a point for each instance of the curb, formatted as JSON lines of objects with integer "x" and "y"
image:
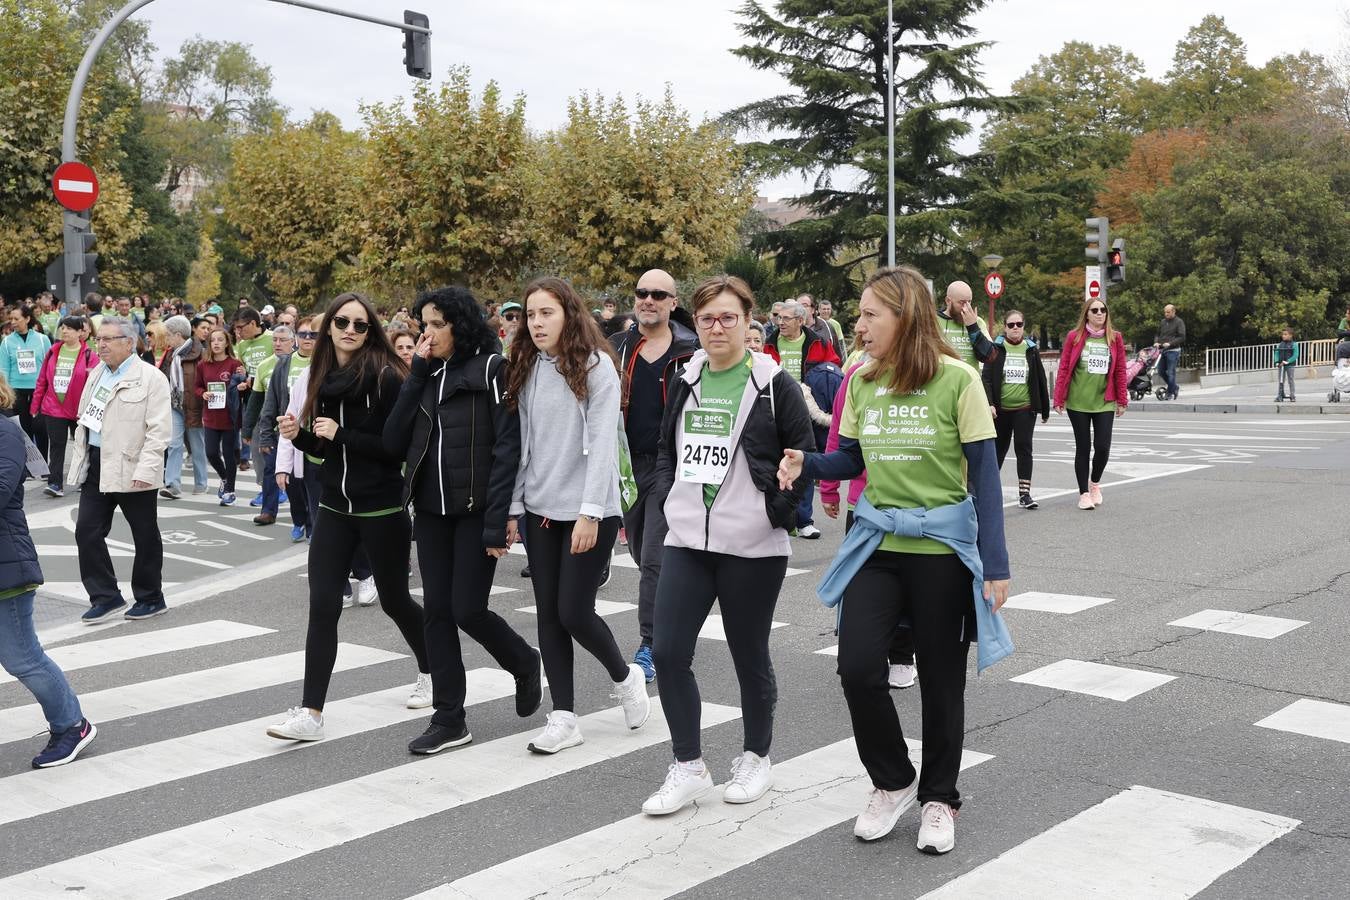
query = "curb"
{"x": 1264, "y": 409}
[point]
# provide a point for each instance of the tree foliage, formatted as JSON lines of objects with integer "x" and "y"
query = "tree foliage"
{"x": 203, "y": 280}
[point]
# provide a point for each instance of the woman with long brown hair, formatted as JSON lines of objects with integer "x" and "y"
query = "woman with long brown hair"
{"x": 565, "y": 384}
{"x": 917, "y": 422}
{"x": 1092, "y": 385}
{"x": 219, "y": 375}
{"x": 350, "y": 389}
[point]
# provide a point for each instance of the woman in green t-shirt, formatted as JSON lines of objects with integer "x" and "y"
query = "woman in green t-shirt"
{"x": 1014, "y": 380}
{"x": 1092, "y": 385}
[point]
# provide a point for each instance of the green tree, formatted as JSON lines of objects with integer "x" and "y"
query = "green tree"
{"x": 203, "y": 281}
{"x": 1211, "y": 83}
{"x": 616, "y": 194}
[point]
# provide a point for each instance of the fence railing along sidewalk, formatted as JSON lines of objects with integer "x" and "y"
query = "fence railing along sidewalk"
{"x": 1259, "y": 357}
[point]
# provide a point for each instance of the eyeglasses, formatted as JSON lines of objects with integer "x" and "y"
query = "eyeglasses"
{"x": 726, "y": 320}
{"x": 511, "y": 317}
{"x": 307, "y": 335}
{"x": 1012, "y": 324}
{"x": 343, "y": 323}
{"x": 1098, "y": 310}
{"x": 658, "y": 294}
{"x": 108, "y": 340}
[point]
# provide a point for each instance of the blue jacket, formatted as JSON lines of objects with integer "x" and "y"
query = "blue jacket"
{"x": 18, "y": 557}
{"x": 956, "y": 526}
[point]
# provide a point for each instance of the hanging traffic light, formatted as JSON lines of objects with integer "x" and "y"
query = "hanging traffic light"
{"x": 416, "y": 45}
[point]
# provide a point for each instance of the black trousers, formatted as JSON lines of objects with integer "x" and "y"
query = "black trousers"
{"x": 936, "y": 593}
{"x": 456, "y": 582}
{"x": 222, "y": 453}
{"x": 746, "y": 590}
{"x": 1015, "y": 426}
{"x": 901, "y": 651}
{"x": 33, "y": 426}
{"x": 313, "y": 494}
{"x": 1091, "y": 431}
{"x": 59, "y": 432}
{"x": 646, "y": 526}
{"x": 93, "y": 523}
{"x": 565, "y": 585}
{"x": 297, "y": 494}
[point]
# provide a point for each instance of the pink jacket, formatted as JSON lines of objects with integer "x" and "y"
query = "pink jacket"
{"x": 290, "y": 460}
{"x": 829, "y": 490}
{"x": 1116, "y": 390}
{"x": 44, "y": 396}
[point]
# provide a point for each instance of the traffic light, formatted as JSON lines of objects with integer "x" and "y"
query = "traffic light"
{"x": 1115, "y": 262}
{"x": 75, "y": 272}
{"x": 1100, "y": 234}
{"x": 416, "y": 45}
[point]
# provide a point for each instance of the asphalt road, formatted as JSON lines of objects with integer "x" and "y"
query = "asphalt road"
{"x": 1116, "y": 750}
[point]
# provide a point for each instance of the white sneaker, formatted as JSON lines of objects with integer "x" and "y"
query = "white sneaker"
{"x": 348, "y": 601}
{"x": 299, "y": 725}
{"x": 1085, "y": 501}
{"x": 751, "y": 778}
{"x": 809, "y": 532}
{"x": 901, "y": 675}
{"x": 560, "y": 733}
{"x": 366, "y": 594}
{"x": 685, "y": 782}
{"x": 937, "y": 828}
{"x": 883, "y": 811}
{"x": 632, "y": 693}
{"x": 420, "y": 698}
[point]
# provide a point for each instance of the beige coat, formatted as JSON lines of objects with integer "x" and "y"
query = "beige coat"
{"x": 137, "y": 427}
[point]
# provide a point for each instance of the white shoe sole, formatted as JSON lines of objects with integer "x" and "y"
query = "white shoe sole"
{"x": 727, "y": 798}
{"x": 666, "y": 812}
{"x": 446, "y": 745}
{"x": 937, "y": 850}
{"x": 282, "y": 734}
{"x": 548, "y": 751}
{"x": 901, "y": 687}
{"x": 74, "y": 754}
{"x": 414, "y": 703}
{"x": 895, "y": 817}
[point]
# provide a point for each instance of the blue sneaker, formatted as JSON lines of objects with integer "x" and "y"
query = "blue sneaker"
{"x": 220, "y": 491}
{"x": 282, "y": 498}
{"x": 643, "y": 658}
{"x": 64, "y": 747}
{"x": 227, "y": 498}
{"x": 102, "y": 612}
{"x": 256, "y": 501}
{"x": 297, "y": 533}
{"x": 142, "y": 610}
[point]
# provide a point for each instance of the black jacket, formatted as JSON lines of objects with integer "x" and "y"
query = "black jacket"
{"x": 459, "y": 440}
{"x": 627, "y": 344}
{"x": 358, "y": 475}
{"x": 262, "y": 422}
{"x": 18, "y": 557}
{"x": 1037, "y": 389}
{"x": 778, "y": 419}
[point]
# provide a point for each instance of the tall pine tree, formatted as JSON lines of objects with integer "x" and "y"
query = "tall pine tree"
{"x": 833, "y": 127}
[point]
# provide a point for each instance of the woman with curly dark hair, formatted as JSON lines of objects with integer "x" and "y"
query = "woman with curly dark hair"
{"x": 461, "y": 442}
{"x": 564, "y": 382}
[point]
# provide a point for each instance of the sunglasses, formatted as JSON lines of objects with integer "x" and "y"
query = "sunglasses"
{"x": 307, "y": 335}
{"x": 511, "y": 317}
{"x": 1012, "y": 324}
{"x": 1098, "y": 310}
{"x": 342, "y": 323}
{"x": 644, "y": 293}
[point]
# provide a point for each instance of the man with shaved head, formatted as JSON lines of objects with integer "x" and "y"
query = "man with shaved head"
{"x": 964, "y": 330}
{"x": 649, "y": 356}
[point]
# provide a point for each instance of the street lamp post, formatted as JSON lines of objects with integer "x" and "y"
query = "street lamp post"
{"x": 991, "y": 262}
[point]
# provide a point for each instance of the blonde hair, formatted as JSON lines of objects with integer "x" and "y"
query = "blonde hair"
{"x": 915, "y": 356}
{"x": 157, "y": 336}
{"x": 7, "y": 396}
{"x": 1081, "y": 327}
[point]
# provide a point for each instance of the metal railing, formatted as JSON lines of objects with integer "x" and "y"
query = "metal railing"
{"x": 1259, "y": 357}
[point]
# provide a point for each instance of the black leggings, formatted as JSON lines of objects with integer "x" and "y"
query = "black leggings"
{"x": 901, "y": 652}
{"x": 1090, "y": 430}
{"x": 565, "y": 586}
{"x": 222, "y": 449}
{"x": 746, "y": 590}
{"x": 1015, "y": 426}
{"x": 59, "y": 431}
{"x": 456, "y": 582}
{"x": 31, "y": 425}
{"x": 936, "y": 591}
{"x": 336, "y": 536}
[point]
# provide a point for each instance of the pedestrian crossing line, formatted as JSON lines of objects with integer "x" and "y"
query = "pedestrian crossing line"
{"x": 190, "y": 687}
{"x": 49, "y": 550}
{"x": 1065, "y": 604}
{"x": 1141, "y": 842}
{"x": 714, "y": 630}
{"x": 649, "y": 856}
{"x": 494, "y": 591}
{"x": 827, "y": 651}
{"x": 149, "y": 643}
{"x": 1314, "y": 718}
{"x": 28, "y": 794}
{"x": 602, "y": 608}
{"x": 198, "y": 856}
{"x": 75, "y": 590}
{"x": 230, "y": 529}
{"x": 210, "y": 564}
{"x": 1244, "y": 624}
{"x": 1095, "y": 679}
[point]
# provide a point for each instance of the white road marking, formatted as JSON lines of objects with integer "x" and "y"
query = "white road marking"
{"x": 251, "y": 535}
{"x": 74, "y": 590}
{"x": 1314, "y": 718}
{"x": 494, "y": 591}
{"x": 1239, "y": 623}
{"x": 713, "y": 629}
{"x": 828, "y": 651}
{"x": 1140, "y": 843}
{"x": 1111, "y": 682}
{"x": 602, "y": 608}
{"x": 1066, "y": 604}
{"x": 210, "y": 564}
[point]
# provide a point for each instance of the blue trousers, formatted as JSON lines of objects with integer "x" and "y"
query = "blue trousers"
{"x": 23, "y": 657}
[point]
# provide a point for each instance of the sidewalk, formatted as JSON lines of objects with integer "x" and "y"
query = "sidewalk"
{"x": 1249, "y": 399}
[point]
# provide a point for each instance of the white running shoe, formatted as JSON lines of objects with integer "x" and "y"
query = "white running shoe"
{"x": 420, "y": 698}
{"x": 751, "y": 778}
{"x": 901, "y": 675}
{"x": 685, "y": 782}
{"x": 1085, "y": 501}
{"x": 937, "y": 828}
{"x": 366, "y": 594}
{"x": 348, "y": 601}
{"x": 632, "y": 693}
{"x": 559, "y": 733}
{"x": 1095, "y": 492}
{"x": 299, "y": 725}
{"x": 883, "y": 811}
{"x": 809, "y": 532}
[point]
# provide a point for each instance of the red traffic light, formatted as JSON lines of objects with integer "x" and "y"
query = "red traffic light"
{"x": 1113, "y": 258}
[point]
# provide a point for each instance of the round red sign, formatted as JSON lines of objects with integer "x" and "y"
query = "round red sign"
{"x": 1094, "y": 290}
{"x": 75, "y": 186}
{"x": 993, "y": 285}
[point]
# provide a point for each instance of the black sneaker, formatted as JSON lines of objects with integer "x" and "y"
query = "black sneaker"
{"x": 437, "y": 738}
{"x": 64, "y": 747}
{"x": 102, "y": 612}
{"x": 604, "y": 576}
{"x": 142, "y": 610}
{"x": 530, "y": 691}
{"x": 525, "y": 572}
{"x": 1026, "y": 502}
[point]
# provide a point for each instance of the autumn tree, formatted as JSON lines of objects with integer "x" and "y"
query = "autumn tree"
{"x": 1149, "y": 167}
{"x": 203, "y": 280}
{"x": 616, "y": 194}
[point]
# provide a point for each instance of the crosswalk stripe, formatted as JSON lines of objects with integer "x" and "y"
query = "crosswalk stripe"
{"x": 189, "y": 687}
{"x": 230, "y": 529}
{"x": 1245, "y": 624}
{"x": 1065, "y": 604}
{"x": 210, "y": 852}
{"x": 714, "y": 630}
{"x": 648, "y": 856}
{"x": 1314, "y": 718}
{"x": 602, "y": 608}
{"x": 149, "y": 643}
{"x": 31, "y": 794}
{"x": 1140, "y": 843}
{"x": 1095, "y": 679}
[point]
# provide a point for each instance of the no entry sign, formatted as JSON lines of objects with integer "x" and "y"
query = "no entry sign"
{"x": 1092, "y": 283}
{"x": 75, "y": 186}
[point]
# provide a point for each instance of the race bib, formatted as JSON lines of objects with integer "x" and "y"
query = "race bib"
{"x": 61, "y": 379}
{"x": 215, "y": 395}
{"x": 26, "y": 360}
{"x": 1015, "y": 370}
{"x": 1098, "y": 359}
{"x": 92, "y": 417}
{"x": 705, "y": 446}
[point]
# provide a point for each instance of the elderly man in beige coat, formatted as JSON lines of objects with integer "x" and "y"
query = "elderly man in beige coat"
{"x": 125, "y": 423}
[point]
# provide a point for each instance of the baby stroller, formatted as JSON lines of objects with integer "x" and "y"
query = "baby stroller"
{"x": 1140, "y": 374}
{"x": 1340, "y": 376}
